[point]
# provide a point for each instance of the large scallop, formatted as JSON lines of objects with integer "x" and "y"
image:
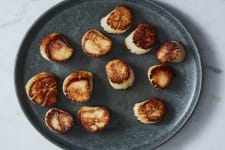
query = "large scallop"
{"x": 119, "y": 74}
{"x": 54, "y": 47}
{"x": 78, "y": 86}
{"x": 42, "y": 89}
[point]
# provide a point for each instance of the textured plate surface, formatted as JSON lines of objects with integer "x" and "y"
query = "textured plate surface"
{"x": 73, "y": 19}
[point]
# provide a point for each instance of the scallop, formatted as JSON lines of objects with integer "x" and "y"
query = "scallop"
{"x": 93, "y": 119}
{"x": 118, "y": 20}
{"x": 42, "y": 89}
{"x": 149, "y": 111}
{"x": 78, "y": 86}
{"x": 119, "y": 74}
{"x": 95, "y": 44}
{"x": 171, "y": 51}
{"x": 55, "y": 48}
{"x": 142, "y": 39}
{"x": 160, "y": 76}
{"x": 58, "y": 120}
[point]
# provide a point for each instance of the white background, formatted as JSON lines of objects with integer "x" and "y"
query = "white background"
{"x": 205, "y": 19}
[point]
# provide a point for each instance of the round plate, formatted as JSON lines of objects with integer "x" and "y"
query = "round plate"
{"x": 73, "y": 19}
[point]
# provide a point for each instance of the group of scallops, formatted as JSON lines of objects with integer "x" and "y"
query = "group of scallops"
{"x": 78, "y": 86}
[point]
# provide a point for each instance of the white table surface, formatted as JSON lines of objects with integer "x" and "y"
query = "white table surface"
{"x": 205, "y": 19}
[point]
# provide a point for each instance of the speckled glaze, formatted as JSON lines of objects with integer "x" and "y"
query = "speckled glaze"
{"x": 73, "y": 19}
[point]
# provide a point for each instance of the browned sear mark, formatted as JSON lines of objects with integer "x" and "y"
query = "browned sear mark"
{"x": 54, "y": 47}
{"x": 144, "y": 36}
{"x": 166, "y": 52}
{"x": 118, "y": 71}
{"x": 93, "y": 119}
{"x": 58, "y": 120}
{"x": 95, "y": 43}
{"x": 56, "y": 43}
{"x": 153, "y": 110}
{"x": 161, "y": 76}
{"x": 78, "y": 86}
{"x": 42, "y": 89}
{"x": 121, "y": 18}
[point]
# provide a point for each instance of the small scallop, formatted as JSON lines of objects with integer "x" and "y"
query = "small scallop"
{"x": 149, "y": 111}
{"x": 54, "y": 47}
{"x": 118, "y": 20}
{"x": 78, "y": 86}
{"x": 119, "y": 74}
{"x": 95, "y": 44}
{"x": 42, "y": 89}
{"x": 171, "y": 51}
{"x": 58, "y": 120}
{"x": 93, "y": 119}
{"x": 142, "y": 39}
{"x": 160, "y": 76}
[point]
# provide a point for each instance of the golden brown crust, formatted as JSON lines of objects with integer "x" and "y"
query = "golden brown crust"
{"x": 121, "y": 18}
{"x": 78, "y": 86}
{"x": 93, "y": 119}
{"x": 42, "y": 89}
{"x": 54, "y": 47}
{"x": 168, "y": 52}
{"x": 144, "y": 36}
{"x": 117, "y": 71}
{"x": 95, "y": 44}
{"x": 152, "y": 110}
{"x": 58, "y": 120}
{"x": 161, "y": 76}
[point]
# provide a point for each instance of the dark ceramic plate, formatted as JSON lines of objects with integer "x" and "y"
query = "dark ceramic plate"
{"x": 73, "y": 19}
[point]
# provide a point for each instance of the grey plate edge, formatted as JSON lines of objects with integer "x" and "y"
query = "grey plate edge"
{"x": 183, "y": 121}
{"x": 197, "y": 93}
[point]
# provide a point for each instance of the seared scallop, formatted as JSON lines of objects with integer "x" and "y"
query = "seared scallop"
{"x": 149, "y": 111}
{"x": 42, "y": 89}
{"x": 95, "y": 44}
{"x": 120, "y": 75}
{"x": 54, "y": 47}
{"x": 58, "y": 120}
{"x": 93, "y": 119}
{"x": 171, "y": 51}
{"x": 160, "y": 76}
{"x": 78, "y": 86}
{"x": 118, "y": 20}
{"x": 142, "y": 39}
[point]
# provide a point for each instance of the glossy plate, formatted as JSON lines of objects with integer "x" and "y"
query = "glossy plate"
{"x": 73, "y": 19}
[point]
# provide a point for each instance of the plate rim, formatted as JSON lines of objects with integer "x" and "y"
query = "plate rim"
{"x": 182, "y": 122}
